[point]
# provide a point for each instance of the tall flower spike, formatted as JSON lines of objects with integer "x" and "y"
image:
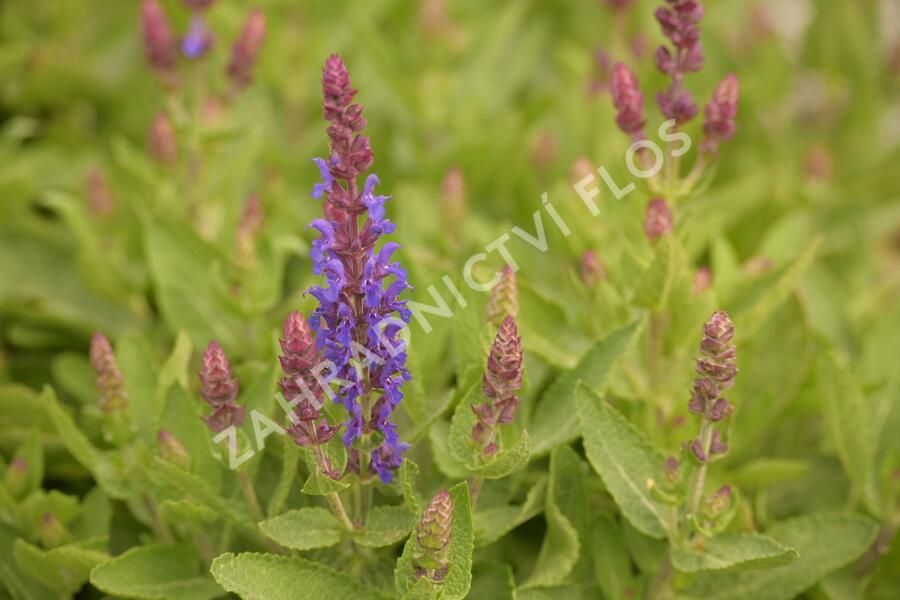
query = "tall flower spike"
{"x": 109, "y": 379}
{"x": 299, "y": 386}
{"x": 360, "y": 314}
{"x": 433, "y": 538}
{"x": 680, "y": 22}
{"x": 245, "y": 51}
{"x": 219, "y": 388}
{"x": 721, "y": 111}
{"x": 501, "y": 380}
{"x": 160, "y": 44}
{"x": 629, "y": 102}
{"x": 504, "y": 300}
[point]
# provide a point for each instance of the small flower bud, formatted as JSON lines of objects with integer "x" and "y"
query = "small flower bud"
{"x": 658, "y": 221}
{"x": 245, "y": 51}
{"x": 100, "y": 199}
{"x": 543, "y": 151}
{"x": 433, "y": 538}
{"x": 161, "y": 143}
{"x": 718, "y": 502}
{"x": 453, "y": 197}
{"x": 721, "y": 112}
{"x": 219, "y": 388}
{"x": 108, "y": 377}
{"x": 197, "y": 5}
{"x": 593, "y": 271}
{"x": 248, "y": 228}
{"x": 619, "y": 4}
{"x": 159, "y": 41}
{"x": 198, "y": 39}
{"x": 504, "y": 300}
{"x": 51, "y": 532}
{"x": 581, "y": 168}
{"x": 502, "y": 379}
{"x": 629, "y": 102}
{"x": 702, "y": 280}
{"x": 17, "y": 476}
{"x": 170, "y": 449}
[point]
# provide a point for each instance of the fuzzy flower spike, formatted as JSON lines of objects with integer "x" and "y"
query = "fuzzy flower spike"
{"x": 360, "y": 313}
{"x": 219, "y": 388}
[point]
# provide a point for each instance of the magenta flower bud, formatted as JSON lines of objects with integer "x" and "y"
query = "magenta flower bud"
{"x": 718, "y": 503}
{"x": 721, "y": 111}
{"x": 245, "y": 51}
{"x": 658, "y": 221}
{"x": 248, "y": 228}
{"x": 171, "y": 450}
{"x": 619, "y": 4}
{"x": 504, "y": 300}
{"x": 51, "y": 532}
{"x": 431, "y": 555}
{"x": 664, "y": 60}
{"x": 16, "y": 479}
{"x": 593, "y": 271}
{"x": 501, "y": 380}
{"x": 100, "y": 199}
{"x": 629, "y": 102}
{"x": 160, "y": 44}
{"x": 197, "y": 5}
{"x": 109, "y": 379}
{"x": 543, "y": 151}
{"x": 161, "y": 144}
{"x": 219, "y": 387}
{"x": 698, "y": 451}
{"x": 677, "y": 103}
{"x": 702, "y": 279}
{"x": 453, "y": 198}
{"x": 351, "y": 153}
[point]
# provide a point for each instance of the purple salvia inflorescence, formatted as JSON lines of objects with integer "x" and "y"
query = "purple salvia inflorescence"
{"x": 680, "y": 22}
{"x": 360, "y": 313}
{"x": 717, "y": 371}
{"x": 501, "y": 380}
{"x": 246, "y": 50}
{"x": 629, "y": 102}
{"x": 198, "y": 39}
{"x": 219, "y": 388}
{"x": 108, "y": 376}
{"x": 299, "y": 386}
{"x": 721, "y": 110}
{"x": 160, "y": 44}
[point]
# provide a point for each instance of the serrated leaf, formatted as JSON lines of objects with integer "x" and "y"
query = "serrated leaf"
{"x": 669, "y": 263}
{"x": 824, "y": 543}
{"x": 406, "y": 480}
{"x": 158, "y": 572}
{"x": 555, "y": 419}
{"x": 610, "y": 560}
{"x": 386, "y": 525}
{"x": 185, "y": 511}
{"x": 565, "y": 513}
{"x": 140, "y": 366}
{"x": 31, "y": 450}
{"x": 318, "y": 484}
{"x": 850, "y": 423}
{"x": 64, "y": 569}
{"x": 493, "y": 523}
{"x": 459, "y": 440}
{"x": 303, "y": 529}
{"x": 438, "y": 436}
{"x": 290, "y": 460}
{"x": 733, "y": 551}
{"x": 764, "y": 472}
{"x": 624, "y": 459}
{"x": 458, "y": 581}
{"x": 269, "y": 577}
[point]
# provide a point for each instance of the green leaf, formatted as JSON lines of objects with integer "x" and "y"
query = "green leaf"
{"x": 555, "y": 419}
{"x": 290, "y": 460}
{"x": 186, "y": 511}
{"x": 140, "y": 366}
{"x": 386, "y": 525}
{"x": 406, "y": 479}
{"x": 492, "y": 581}
{"x": 64, "y": 569}
{"x": 493, "y": 523}
{"x": 850, "y": 423}
{"x": 318, "y": 484}
{"x": 269, "y": 577}
{"x": 32, "y": 451}
{"x": 303, "y": 529}
{"x": 755, "y": 305}
{"x": 438, "y": 436}
{"x": 157, "y": 572}
{"x": 610, "y": 560}
{"x": 735, "y": 551}
{"x": 761, "y": 473}
{"x": 824, "y": 543}
{"x": 624, "y": 459}
{"x": 669, "y": 264}
{"x": 459, "y": 576}
{"x": 565, "y": 513}
{"x": 459, "y": 440}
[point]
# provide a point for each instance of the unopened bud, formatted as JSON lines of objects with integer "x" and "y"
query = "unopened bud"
{"x": 658, "y": 221}
{"x": 245, "y": 51}
{"x": 453, "y": 197}
{"x": 504, "y": 300}
{"x": 51, "y": 532}
{"x": 109, "y": 379}
{"x": 100, "y": 199}
{"x": 593, "y": 271}
{"x": 17, "y": 476}
{"x": 159, "y": 41}
{"x": 170, "y": 449}
{"x": 543, "y": 151}
{"x": 433, "y": 538}
{"x": 161, "y": 143}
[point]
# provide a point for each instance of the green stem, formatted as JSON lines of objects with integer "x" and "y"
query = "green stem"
{"x": 660, "y": 583}
{"x": 475, "y": 490}
{"x": 250, "y": 495}
{"x": 337, "y": 507}
{"x": 157, "y": 523}
{"x": 700, "y": 480}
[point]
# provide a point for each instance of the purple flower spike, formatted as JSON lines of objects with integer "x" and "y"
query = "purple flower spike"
{"x": 109, "y": 379}
{"x": 719, "y": 125}
{"x": 629, "y": 102}
{"x": 160, "y": 44}
{"x": 680, "y": 22}
{"x": 658, "y": 221}
{"x": 360, "y": 314}
{"x": 246, "y": 50}
{"x": 502, "y": 379}
{"x": 219, "y": 388}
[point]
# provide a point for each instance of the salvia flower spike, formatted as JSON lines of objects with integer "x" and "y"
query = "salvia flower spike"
{"x": 299, "y": 386}
{"x": 433, "y": 538}
{"x": 219, "y": 389}
{"x": 246, "y": 49}
{"x": 659, "y": 219}
{"x": 360, "y": 314}
{"x": 501, "y": 380}
{"x": 629, "y": 102}
{"x": 680, "y": 22}
{"x": 719, "y": 125}
{"x": 160, "y": 43}
{"x": 109, "y": 379}
{"x": 504, "y": 299}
